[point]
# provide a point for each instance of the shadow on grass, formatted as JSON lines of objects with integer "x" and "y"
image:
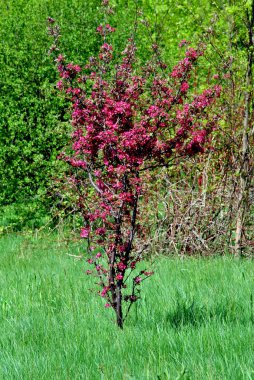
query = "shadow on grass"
{"x": 195, "y": 315}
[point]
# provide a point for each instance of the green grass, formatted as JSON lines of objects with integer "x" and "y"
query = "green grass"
{"x": 195, "y": 320}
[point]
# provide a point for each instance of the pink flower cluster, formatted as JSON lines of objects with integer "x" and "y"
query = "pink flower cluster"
{"x": 124, "y": 122}
{"x": 103, "y": 30}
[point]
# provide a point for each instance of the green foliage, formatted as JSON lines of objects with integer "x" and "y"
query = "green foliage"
{"x": 22, "y": 216}
{"x": 33, "y": 124}
{"x": 34, "y": 127}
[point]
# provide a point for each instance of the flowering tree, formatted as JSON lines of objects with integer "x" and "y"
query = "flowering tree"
{"x": 126, "y": 120}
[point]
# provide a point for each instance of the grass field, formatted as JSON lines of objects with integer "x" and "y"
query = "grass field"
{"x": 195, "y": 321}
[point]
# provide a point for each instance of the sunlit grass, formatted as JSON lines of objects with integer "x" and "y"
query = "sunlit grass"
{"x": 195, "y": 320}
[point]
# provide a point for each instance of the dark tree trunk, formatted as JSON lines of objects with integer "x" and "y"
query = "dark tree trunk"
{"x": 119, "y": 309}
{"x": 245, "y": 169}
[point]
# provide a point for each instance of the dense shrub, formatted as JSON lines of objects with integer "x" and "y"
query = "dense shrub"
{"x": 32, "y": 124}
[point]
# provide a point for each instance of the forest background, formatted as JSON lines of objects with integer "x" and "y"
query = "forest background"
{"x": 201, "y": 201}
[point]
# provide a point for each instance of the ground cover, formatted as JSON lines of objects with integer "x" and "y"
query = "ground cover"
{"x": 195, "y": 320}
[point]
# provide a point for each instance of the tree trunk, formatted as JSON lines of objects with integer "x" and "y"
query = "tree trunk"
{"x": 243, "y": 186}
{"x": 244, "y": 163}
{"x": 119, "y": 310}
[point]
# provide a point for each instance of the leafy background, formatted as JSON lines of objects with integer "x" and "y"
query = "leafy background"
{"x": 34, "y": 125}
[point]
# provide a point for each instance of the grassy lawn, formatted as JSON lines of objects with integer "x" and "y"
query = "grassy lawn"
{"x": 195, "y": 320}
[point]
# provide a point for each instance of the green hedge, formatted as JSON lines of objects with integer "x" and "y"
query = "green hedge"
{"x": 33, "y": 123}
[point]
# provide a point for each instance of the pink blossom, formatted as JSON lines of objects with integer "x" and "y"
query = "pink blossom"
{"x": 84, "y": 233}
{"x": 100, "y": 231}
{"x": 184, "y": 87}
{"x": 59, "y": 85}
{"x": 97, "y": 173}
{"x": 153, "y": 111}
{"x": 110, "y": 28}
{"x": 99, "y": 29}
{"x": 121, "y": 266}
{"x": 183, "y": 43}
{"x": 104, "y": 291}
{"x": 192, "y": 53}
{"x": 60, "y": 58}
{"x": 106, "y": 47}
{"x": 75, "y": 68}
{"x": 127, "y": 197}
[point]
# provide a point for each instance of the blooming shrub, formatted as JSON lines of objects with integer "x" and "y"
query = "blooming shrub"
{"x": 126, "y": 120}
